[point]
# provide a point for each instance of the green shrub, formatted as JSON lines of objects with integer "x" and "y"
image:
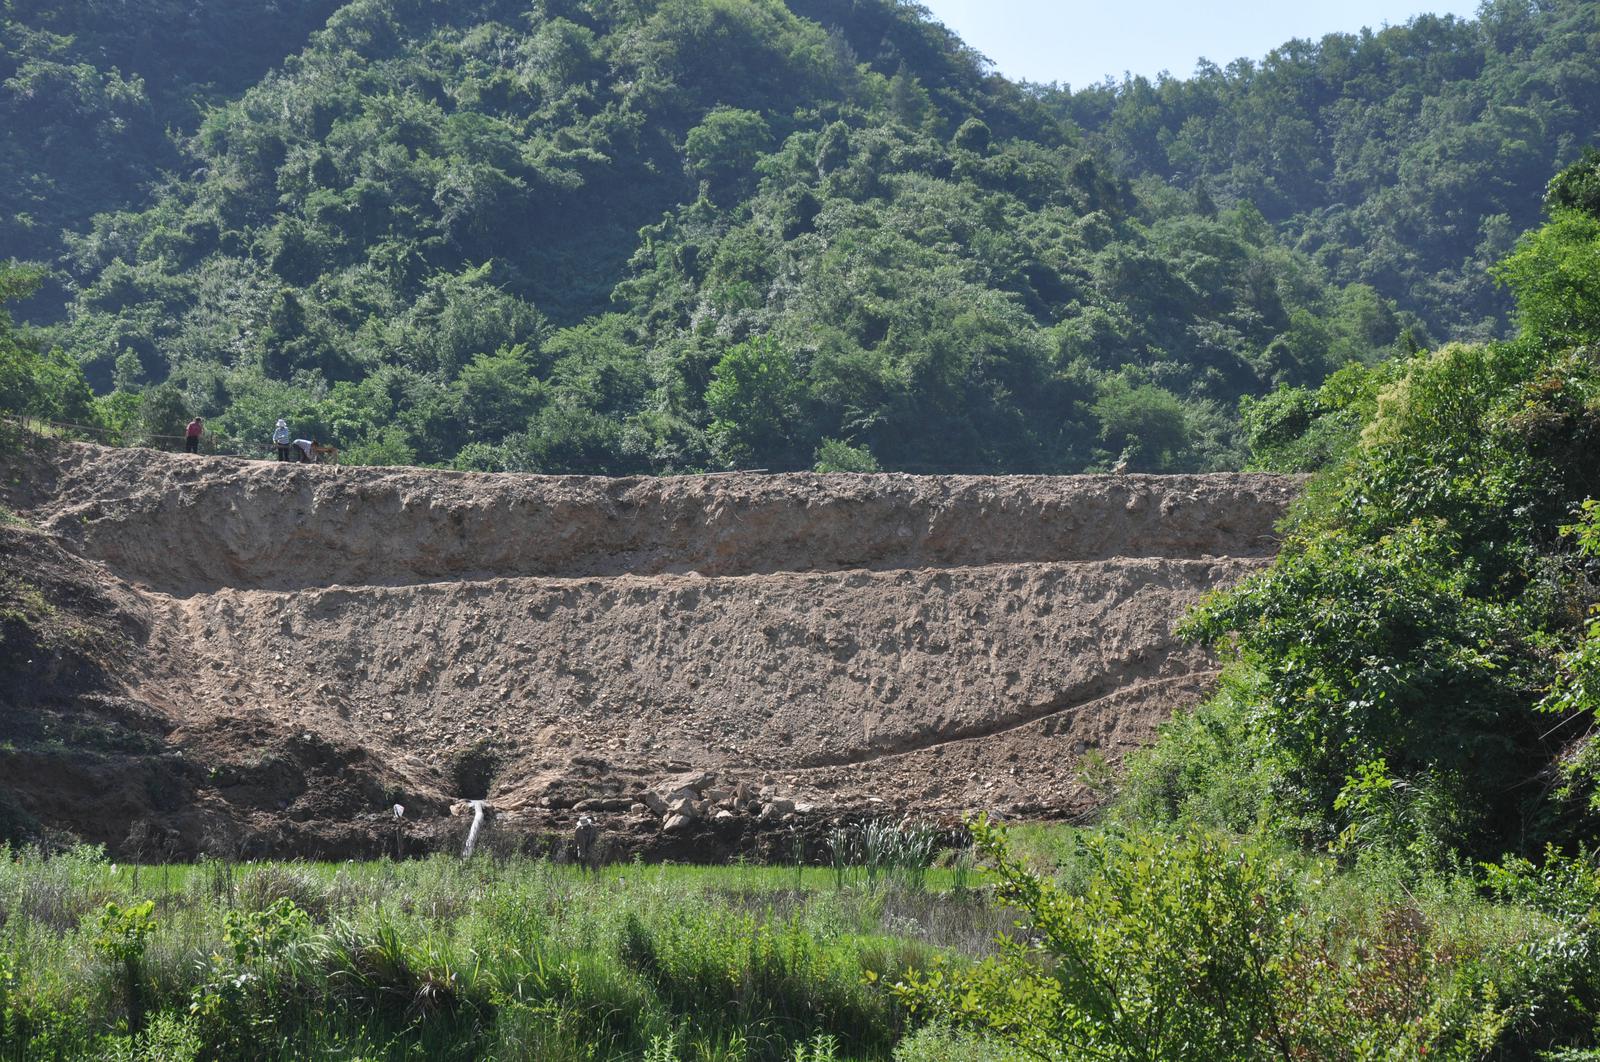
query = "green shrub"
{"x": 944, "y": 1043}
{"x": 1170, "y": 948}
{"x": 168, "y": 1038}
{"x": 1200, "y": 945}
{"x": 262, "y": 936}
{"x": 836, "y": 455}
{"x": 1205, "y": 767}
{"x": 122, "y": 933}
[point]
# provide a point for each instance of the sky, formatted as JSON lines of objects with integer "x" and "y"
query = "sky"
{"x": 1079, "y": 42}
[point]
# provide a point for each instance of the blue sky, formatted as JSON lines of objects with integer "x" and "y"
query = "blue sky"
{"x": 1077, "y": 42}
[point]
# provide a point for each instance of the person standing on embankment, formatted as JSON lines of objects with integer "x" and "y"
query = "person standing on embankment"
{"x": 191, "y": 436}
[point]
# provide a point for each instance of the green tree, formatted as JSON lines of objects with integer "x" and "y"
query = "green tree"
{"x": 1396, "y": 656}
{"x": 1577, "y": 187}
{"x": 1555, "y": 273}
{"x": 837, "y": 455}
{"x": 33, "y": 381}
{"x": 498, "y": 393}
{"x": 162, "y": 416}
{"x": 388, "y": 445}
{"x": 1145, "y": 424}
{"x": 754, "y": 401}
{"x": 973, "y": 136}
{"x": 722, "y": 150}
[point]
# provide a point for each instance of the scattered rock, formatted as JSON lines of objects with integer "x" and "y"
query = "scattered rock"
{"x": 677, "y": 824}
{"x": 603, "y": 804}
{"x": 774, "y": 810}
{"x": 695, "y": 780}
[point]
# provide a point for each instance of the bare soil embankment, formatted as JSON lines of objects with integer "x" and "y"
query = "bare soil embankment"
{"x": 321, "y": 643}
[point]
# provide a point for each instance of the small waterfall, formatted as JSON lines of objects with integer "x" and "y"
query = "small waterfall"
{"x": 472, "y": 834}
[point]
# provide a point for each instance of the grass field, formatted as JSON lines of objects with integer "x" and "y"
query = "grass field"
{"x": 1245, "y": 947}
{"x": 496, "y": 958}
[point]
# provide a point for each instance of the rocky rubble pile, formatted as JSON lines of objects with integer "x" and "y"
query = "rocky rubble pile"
{"x": 686, "y": 800}
{"x": 677, "y": 804}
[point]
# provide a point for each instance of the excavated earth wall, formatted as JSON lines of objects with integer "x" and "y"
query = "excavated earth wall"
{"x": 766, "y": 650}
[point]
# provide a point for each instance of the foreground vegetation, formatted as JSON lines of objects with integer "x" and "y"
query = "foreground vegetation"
{"x": 1412, "y": 688}
{"x": 444, "y": 959}
{"x": 1139, "y": 944}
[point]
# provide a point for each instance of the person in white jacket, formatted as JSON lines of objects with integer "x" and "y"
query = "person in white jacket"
{"x": 280, "y": 438}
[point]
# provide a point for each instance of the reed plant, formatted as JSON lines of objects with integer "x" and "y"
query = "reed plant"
{"x": 493, "y": 959}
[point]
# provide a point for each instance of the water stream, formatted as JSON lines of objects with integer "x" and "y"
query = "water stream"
{"x": 472, "y": 834}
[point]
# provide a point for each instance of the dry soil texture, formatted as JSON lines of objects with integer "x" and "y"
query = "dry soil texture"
{"x": 309, "y": 645}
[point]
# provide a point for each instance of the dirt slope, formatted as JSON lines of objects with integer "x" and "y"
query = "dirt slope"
{"x": 190, "y": 526}
{"x": 855, "y": 644}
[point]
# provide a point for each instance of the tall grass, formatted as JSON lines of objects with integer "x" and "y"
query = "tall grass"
{"x": 504, "y": 959}
{"x": 882, "y": 852}
{"x": 525, "y": 959}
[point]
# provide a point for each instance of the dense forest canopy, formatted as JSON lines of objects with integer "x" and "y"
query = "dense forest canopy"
{"x": 666, "y": 235}
{"x": 1407, "y": 158}
{"x": 89, "y": 91}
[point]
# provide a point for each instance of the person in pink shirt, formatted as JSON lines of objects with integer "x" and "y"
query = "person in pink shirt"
{"x": 191, "y": 435}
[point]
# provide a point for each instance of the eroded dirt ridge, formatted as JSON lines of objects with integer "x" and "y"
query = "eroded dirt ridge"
{"x": 567, "y": 645}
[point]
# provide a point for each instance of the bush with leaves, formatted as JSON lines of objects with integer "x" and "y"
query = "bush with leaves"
{"x": 1146, "y": 425}
{"x": 1424, "y": 616}
{"x": 1175, "y": 946}
{"x": 1379, "y": 650}
{"x": 754, "y": 401}
{"x": 837, "y": 455}
{"x": 1169, "y": 948}
{"x": 123, "y": 933}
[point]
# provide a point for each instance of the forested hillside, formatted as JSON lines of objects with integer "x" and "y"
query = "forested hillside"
{"x": 89, "y": 91}
{"x": 659, "y": 236}
{"x": 1409, "y": 158}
